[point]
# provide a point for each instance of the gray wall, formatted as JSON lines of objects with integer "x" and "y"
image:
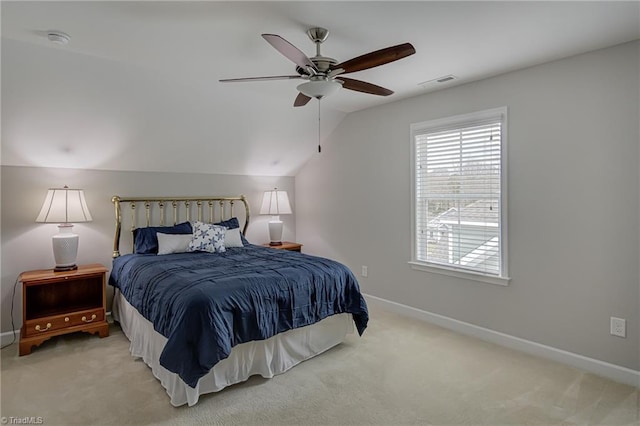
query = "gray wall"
{"x": 26, "y": 245}
{"x": 573, "y": 200}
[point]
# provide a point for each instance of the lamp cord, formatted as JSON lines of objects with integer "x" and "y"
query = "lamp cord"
{"x": 13, "y": 328}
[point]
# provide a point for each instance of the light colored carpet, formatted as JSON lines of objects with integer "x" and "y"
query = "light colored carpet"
{"x": 402, "y": 371}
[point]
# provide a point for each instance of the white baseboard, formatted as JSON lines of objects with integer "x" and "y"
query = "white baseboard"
{"x": 601, "y": 368}
{"x": 7, "y": 337}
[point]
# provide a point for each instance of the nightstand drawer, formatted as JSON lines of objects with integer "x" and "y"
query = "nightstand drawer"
{"x": 47, "y": 324}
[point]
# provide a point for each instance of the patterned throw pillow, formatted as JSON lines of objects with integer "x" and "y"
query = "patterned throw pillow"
{"x": 207, "y": 237}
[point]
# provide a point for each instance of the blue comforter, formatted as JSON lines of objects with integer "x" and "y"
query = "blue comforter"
{"x": 205, "y": 304}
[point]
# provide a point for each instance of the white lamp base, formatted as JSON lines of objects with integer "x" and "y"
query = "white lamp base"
{"x": 65, "y": 248}
{"x": 275, "y": 231}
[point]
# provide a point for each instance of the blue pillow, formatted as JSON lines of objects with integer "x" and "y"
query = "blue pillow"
{"x": 233, "y": 223}
{"x": 146, "y": 241}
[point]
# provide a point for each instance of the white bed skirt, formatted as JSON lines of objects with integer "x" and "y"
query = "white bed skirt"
{"x": 266, "y": 357}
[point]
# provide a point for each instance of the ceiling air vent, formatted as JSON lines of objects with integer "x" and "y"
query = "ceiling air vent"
{"x": 58, "y": 37}
{"x": 444, "y": 79}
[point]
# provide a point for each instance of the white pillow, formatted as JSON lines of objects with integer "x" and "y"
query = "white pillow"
{"x": 173, "y": 243}
{"x": 232, "y": 238}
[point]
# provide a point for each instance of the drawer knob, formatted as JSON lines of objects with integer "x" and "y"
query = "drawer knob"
{"x": 38, "y": 328}
{"x": 93, "y": 317}
{"x": 66, "y": 319}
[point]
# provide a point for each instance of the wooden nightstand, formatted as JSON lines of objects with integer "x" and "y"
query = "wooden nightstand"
{"x": 286, "y": 245}
{"x": 55, "y": 303}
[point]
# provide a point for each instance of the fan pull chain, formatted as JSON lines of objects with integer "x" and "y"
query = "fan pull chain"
{"x": 319, "y": 148}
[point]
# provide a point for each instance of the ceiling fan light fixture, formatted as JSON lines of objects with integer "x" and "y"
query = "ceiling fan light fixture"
{"x": 319, "y": 88}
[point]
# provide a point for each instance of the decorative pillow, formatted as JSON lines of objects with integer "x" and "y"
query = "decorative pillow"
{"x": 177, "y": 243}
{"x": 207, "y": 237}
{"x": 146, "y": 241}
{"x": 233, "y": 223}
{"x": 232, "y": 238}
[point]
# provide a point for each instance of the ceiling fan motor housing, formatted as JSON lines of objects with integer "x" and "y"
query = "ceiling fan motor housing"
{"x": 323, "y": 63}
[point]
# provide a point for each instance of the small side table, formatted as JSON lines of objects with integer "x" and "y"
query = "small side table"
{"x": 286, "y": 245}
{"x": 55, "y": 303}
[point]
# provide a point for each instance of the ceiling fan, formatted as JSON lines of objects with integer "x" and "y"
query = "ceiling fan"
{"x": 325, "y": 75}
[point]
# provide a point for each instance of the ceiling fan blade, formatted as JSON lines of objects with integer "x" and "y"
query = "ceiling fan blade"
{"x": 364, "y": 87}
{"x": 289, "y": 51}
{"x": 275, "y": 77}
{"x": 301, "y": 100}
{"x": 374, "y": 59}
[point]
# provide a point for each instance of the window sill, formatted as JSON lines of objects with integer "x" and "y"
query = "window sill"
{"x": 490, "y": 279}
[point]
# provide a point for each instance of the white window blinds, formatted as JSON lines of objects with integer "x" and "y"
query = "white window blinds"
{"x": 458, "y": 193}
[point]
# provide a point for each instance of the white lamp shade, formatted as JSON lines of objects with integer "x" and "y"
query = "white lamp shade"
{"x": 275, "y": 203}
{"x": 64, "y": 205}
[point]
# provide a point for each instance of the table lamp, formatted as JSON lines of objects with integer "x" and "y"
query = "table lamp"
{"x": 63, "y": 206}
{"x": 275, "y": 203}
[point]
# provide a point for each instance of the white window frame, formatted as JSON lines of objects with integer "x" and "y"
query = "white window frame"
{"x": 462, "y": 120}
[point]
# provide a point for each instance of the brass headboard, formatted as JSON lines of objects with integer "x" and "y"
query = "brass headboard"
{"x": 180, "y": 209}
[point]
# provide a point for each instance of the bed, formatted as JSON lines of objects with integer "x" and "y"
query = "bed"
{"x": 205, "y": 309}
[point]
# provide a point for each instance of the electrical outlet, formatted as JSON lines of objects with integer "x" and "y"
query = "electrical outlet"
{"x": 365, "y": 271}
{"x": 618, "y": 327}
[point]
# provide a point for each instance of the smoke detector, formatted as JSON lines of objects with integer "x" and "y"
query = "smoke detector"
{"x": 58, "y": 37}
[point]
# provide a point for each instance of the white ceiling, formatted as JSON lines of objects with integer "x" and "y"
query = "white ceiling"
{"x": 137, "y": 87}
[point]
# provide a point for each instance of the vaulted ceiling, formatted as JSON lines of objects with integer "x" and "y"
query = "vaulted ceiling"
{"x": 136, "y": 88}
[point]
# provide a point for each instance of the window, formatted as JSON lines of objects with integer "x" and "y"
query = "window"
{"x": 459, "y": 189}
